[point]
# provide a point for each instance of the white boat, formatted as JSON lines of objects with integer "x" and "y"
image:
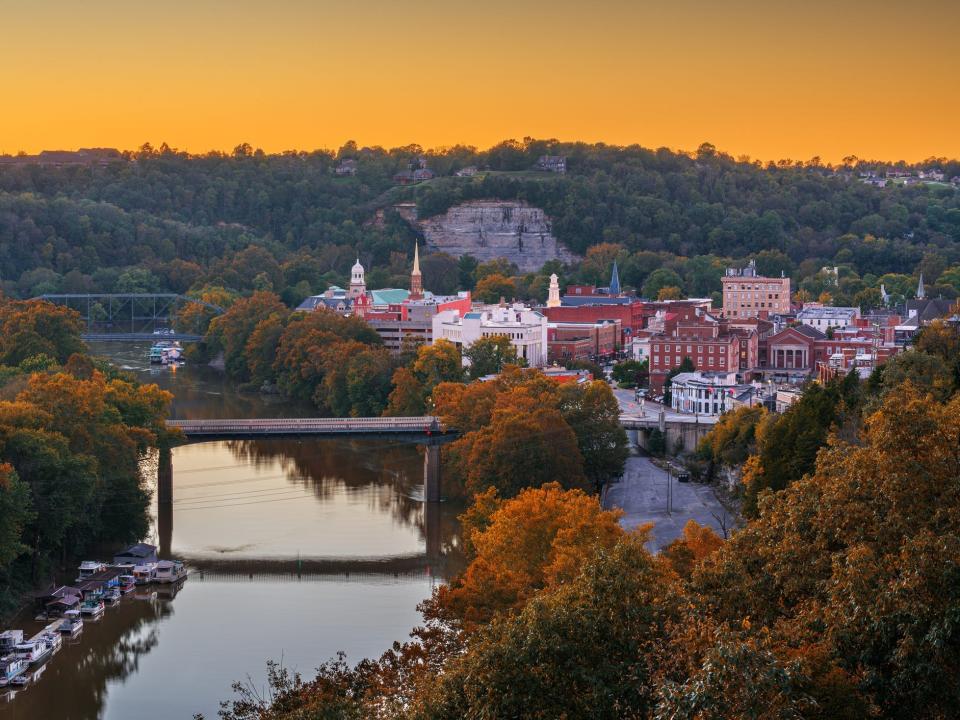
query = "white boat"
{"x": 170, "y": 571}
{"x": 112, "y": 595}
{"x": 89, "y": 568}
{"x": 72, "y": 623}
{"x": 34, "y": 651}
{"x": 92, "y": 608}
{"x": 11, "y": 667}
{"x": 53, "y": 640}
{"x": 127, "y": 583}
{"x": 143, "y": 574}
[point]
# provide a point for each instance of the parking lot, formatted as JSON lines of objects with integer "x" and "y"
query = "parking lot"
{"x": 642, "y": 493}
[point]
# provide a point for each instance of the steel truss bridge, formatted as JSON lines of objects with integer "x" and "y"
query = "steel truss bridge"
{"x": 128, "y": 316}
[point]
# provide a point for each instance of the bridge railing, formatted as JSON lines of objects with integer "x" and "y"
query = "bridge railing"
{"x": 265, "y": 426}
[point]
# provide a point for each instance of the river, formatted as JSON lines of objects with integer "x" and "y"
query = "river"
{"x": 297, "y": 550}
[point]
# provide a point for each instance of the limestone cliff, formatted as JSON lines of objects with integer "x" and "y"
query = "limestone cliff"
{"x": 490, "y": 229}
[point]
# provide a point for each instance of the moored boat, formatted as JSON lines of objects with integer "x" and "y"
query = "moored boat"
{"x": 34, "y": 651}
{"x": 112, "y": 595}
{"x": 11, "y": 667}
{"x": 127, "y": 584}
{"x": 143, "y": 574}
{"x": 92, "y": 607}
{"x": 170, "y": 571}
{"x": 72, "y": 623}
{"x": 89, "y": 568}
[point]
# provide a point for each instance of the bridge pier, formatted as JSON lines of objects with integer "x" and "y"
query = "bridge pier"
{"x": 431, "y": 473}
{"x": 431, "y": 530}
{"x": 165, "y": 500}
{"x": 165, "y": 476}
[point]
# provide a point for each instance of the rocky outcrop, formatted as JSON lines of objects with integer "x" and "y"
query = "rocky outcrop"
{"x": 490, "y": 229}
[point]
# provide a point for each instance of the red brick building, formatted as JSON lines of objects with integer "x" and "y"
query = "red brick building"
{"x": 583, "y": 341}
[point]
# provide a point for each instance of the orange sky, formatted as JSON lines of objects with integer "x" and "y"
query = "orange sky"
{"x": 767, "y": 78}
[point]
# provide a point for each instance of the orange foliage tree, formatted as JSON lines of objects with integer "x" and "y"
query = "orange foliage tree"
{"x": 538, "y": 539}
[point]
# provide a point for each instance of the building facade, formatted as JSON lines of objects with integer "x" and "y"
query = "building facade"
{"x": 524, "y": 327}
{"x": 746, "y": 294}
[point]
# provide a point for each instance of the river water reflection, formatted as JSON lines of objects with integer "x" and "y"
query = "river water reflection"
{"x": 298, "y": 550}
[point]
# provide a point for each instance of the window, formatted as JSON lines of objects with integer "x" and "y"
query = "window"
{"x": 656, "y": 348}
{"x": 710, "y": 362}
{"x": 722, "y": 350}
{"x": 699, "y": 348}
{"x": 710, "y": 347}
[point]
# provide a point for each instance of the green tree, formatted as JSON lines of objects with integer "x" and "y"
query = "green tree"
{"x": 488, "y": 354}
{"x": 660, "y": 279}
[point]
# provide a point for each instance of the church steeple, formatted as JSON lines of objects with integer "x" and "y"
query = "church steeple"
{"x": 553, "y": 294}
{"x": 921, "y": 291}
{"x": 416, "y": 279}
{"x": 358, "y": 285}
{"x": 615, "y": 280}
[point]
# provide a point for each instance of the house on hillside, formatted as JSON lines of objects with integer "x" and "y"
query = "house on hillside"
{"x": 552, "y": 163}
{"x": 347, "y": 167}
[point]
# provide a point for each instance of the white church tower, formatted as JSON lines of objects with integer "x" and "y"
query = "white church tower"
{"x": 358, "y": 286}
{"x": 553, "y": 296}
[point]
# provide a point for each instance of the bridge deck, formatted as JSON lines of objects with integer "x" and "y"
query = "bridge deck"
{"x": 139, "y": 337}
{"x": 427, "y": 425}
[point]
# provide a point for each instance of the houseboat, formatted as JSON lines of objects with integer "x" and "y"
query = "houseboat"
{"x": 127, "y": 584}
{"x": 92, "y": 607}
{"x": 11, "y": 667}
{"x": 52, "y": 639}
{"x": 156, "y": 353}
{"x": 34, "y": 651}
{"x": 169, "y": 571}
{"x": 72, "y": 623}
{"x": 112, "y": 596}
{"x": 143, "y": 574}
{"x": 89, "y": 568}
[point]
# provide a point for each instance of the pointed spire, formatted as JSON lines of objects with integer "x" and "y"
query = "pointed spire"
{"x": 921, "y": 292}
{"x": 615, "y": 280}
{"x": 416, "y": 281}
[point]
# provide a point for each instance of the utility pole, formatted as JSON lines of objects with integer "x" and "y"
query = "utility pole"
{"x": 669, "y": 491}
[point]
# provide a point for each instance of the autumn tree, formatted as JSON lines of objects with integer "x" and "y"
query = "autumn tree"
{"x": 31, "y": 328}
{"x": 493, "y": 288}
{"x": 541, "y": 538}
{"x": 851, "y": 570}
{"x": 588, "y": 648}
{"x": 231, "y": 331}
{"x": 523, "y": 447}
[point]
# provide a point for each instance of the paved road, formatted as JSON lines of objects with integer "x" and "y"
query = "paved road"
{"x": 629, "y": 406}
{"x": 642, "y": 494}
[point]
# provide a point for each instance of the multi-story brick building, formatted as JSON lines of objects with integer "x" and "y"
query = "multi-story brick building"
{"x": 746, "y": 294}
{"x": 705, "y": 345}
{"x": 583, "y": 341}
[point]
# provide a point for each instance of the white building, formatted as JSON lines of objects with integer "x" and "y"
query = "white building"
{"x": 821, "y": 317}
{"x": 705, "y": 393}
{"x": 526, "y": 329}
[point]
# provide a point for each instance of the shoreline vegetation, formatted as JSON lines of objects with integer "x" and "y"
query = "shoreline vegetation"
{"x": 74, "y": 437}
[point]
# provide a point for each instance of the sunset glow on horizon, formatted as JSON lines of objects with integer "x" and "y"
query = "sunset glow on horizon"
{"x": 766, "y": 79}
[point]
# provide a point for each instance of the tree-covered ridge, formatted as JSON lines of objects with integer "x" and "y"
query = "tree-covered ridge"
{"x": 75, "y": 437}
{"x": 166, "y": 220}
